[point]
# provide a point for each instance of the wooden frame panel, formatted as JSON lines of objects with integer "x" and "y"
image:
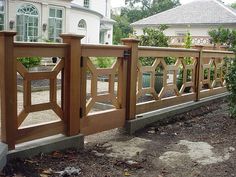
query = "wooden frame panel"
{"x": 33, "y": 132}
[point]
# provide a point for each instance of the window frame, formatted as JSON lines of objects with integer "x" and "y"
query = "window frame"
{"x": 3, "y": 13}
{"x": 28, "y": 27}
{"x": 55, "y": 19}
{"x": 87, "y": 4}
{"x": 84, "y": 23}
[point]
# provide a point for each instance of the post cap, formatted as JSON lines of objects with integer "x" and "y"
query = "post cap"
{"x": 71, "y": 35}
{"x": 199, "y": 46}
{"x": 130, "y": 40}
{"x": 8, "y": 33}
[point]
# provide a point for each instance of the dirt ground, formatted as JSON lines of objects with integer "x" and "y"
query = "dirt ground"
{"x": 200, "y": 143}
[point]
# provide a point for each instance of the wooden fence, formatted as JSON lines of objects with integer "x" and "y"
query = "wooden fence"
{"x": 201, "y": 74}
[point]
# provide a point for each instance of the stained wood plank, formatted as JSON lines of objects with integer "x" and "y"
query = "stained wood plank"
{"x": 165, "y": 102}
{"x": 40, "y": 75}
{"x": 103, "y": 121}
{"x": 211, "y": 92}
{"x": 39, "y": 50}
{"x": 28, "y": 133}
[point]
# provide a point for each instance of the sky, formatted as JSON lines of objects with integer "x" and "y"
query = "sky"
{"x": 118, "y": 3}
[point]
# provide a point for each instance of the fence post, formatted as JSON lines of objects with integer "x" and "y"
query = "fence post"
{"x": 198, "y": 74}
{"x": 72, "y": 83}
{"x": 131, "y": 78}
{"x": 8, "y": 89}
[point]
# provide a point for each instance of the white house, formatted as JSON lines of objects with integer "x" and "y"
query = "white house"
{"x": 39, "y": 20}
{"x": 196, "y": 17}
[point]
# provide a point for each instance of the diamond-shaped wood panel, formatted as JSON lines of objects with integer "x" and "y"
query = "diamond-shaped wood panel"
{"x": 166, "y": 69}
{"x": 110, "y": 96}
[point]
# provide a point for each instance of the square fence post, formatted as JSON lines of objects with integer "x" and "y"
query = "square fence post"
{"x": 198, "y": 73}
{"x": 131, "y": 78}
{"x": 72, "y": 83}
{"x": 8, "y": 89}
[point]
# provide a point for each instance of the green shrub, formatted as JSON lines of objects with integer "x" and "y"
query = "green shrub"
{"x": 188, "y": 61}
{"x": 220, "y": 36}
{"x": 231, "y": 86}
{"x": 188, "y": 41}
{"x": 30, "y": 62}
{"x": 155, "y": 38}
{"x": 103, "y": 62}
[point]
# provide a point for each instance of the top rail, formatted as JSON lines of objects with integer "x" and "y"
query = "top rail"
{"x": 220, "y": 54}
{"x": 166, "y": 51}
{"x": 40, "y": 49}
{"x": 89, "y": 50}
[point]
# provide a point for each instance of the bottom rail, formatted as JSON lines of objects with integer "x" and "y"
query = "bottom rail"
{"x": 103, "y": 121}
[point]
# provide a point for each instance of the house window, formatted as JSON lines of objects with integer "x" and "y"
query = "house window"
{"x": 86, "y": 3}
{"x": 82, "y": 24}
{"x": 102, "y": 37}
{"x": 55, "y": 24}
{"x": 27, "y": 19}
{"x": 181, "y": 33}
{"x": 2, "y": 18}
{"x": 180, "y": 36}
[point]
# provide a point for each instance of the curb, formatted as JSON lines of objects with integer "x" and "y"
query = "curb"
{"x": 146, "y": 119}
{"x": 46, "y": 145}
{"x": 3, "y": 155}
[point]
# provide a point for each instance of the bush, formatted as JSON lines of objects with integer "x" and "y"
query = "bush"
{"x": 188, "y": 61}
{"x": 30, "y": 62}
{"x": 220, "y": 36}
{"x": 156, "y": 38}
{"x": 103, "y": 62}
{"x": 231, "y": 86}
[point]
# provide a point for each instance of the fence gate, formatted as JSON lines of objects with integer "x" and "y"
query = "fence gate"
{"x": 103, "y": 92}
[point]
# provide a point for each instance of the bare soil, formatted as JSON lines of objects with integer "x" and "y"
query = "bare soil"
{"x": 200, "y": 143}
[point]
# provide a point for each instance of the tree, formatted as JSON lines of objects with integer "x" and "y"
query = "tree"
{"x": 233, "y": 5}
{"x": 136, "y": 10}
{"x": 220, "y": 36}
{"x": 154, "y": 37}
{"x": 122, "y": 28}
{"x": 150, "y": 7}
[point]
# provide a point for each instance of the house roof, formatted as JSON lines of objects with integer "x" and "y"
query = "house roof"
{"x": 107, "y": 20}
{"x": 196, "y": 12}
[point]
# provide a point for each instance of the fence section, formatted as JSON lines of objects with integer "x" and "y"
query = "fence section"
{"x": 171, "y": 77}
{"x": 40, "y": 50}
{"x": 110, "y": 94}
{"x": 94, "y": 97}
{"x": 214, "y": 67}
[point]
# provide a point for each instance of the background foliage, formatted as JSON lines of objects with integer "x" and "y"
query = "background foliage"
{"x": 136, "y": 10}
{"x": 30, "y": 62}
{"x": 231, "y": 85}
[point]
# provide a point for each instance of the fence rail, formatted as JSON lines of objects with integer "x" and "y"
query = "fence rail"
{"x": 132, "y": 87}
{"x": 196, "y": 40}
